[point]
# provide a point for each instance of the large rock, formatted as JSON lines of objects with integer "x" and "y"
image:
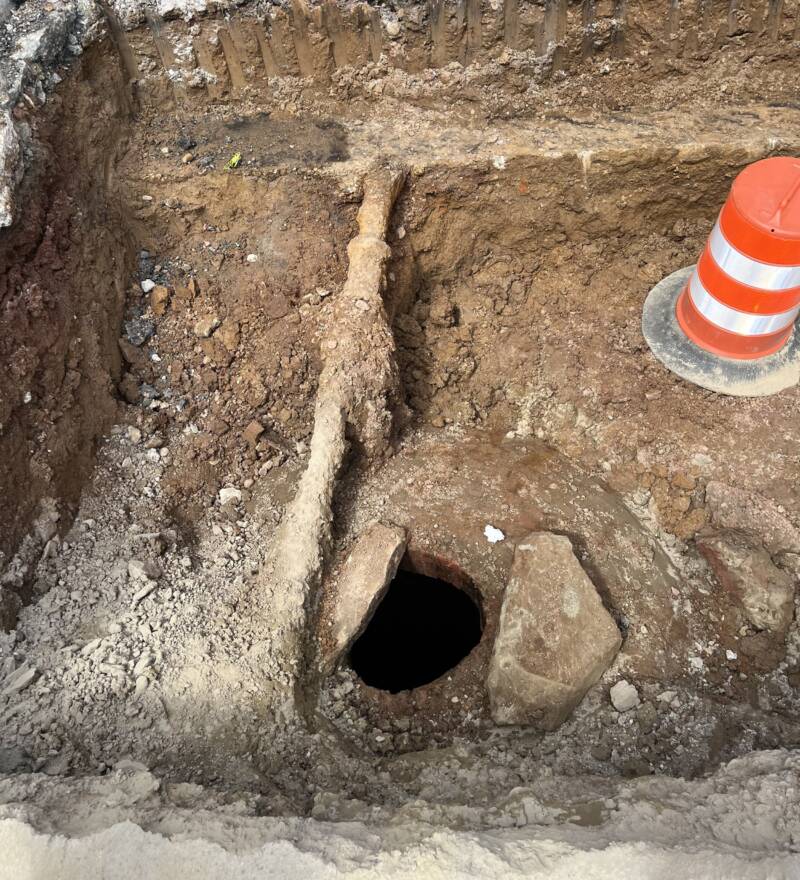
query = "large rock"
{"x": 366, "y": 576}
{"x": 555, "y": 638}
{"x": 747, "y": 573}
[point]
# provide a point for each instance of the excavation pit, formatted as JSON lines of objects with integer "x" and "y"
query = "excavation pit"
{"x": 166, "y": 315}
{"x": 423, "y": 628}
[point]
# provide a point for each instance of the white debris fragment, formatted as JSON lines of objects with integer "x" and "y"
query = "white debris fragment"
{"x": 499, "y": 162}
{"x": 148, "y": 285}
{"x": 252, "y": 258}
{"x": 624, "y": 696}
{"x": 696, "y": 663}
{"x": 140, "y": 570}
{"x": 18, "y": 680}
{"x": 493, "y": 535}
{"x": 730, "y": 655}
{"x": 145, "y": 661}
{"x": 143, "y": 593}
{"x": 229, "y": 494}
{"x": 142, "y": 682}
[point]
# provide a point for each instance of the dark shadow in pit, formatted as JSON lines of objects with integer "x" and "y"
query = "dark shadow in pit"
{"x": 423, "y": 628}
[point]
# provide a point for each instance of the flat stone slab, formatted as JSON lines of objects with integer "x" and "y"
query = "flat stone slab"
{"x": 555, "y": 639}
{"x": 366, "y": 576}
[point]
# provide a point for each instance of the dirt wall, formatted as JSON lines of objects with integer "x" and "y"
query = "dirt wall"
{"x": 64, "y": 266}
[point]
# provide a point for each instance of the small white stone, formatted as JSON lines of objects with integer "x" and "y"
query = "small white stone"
{"x": 206, "y": 326}
{"x": 145, "y": 660}
{"x": 624, "y": 696}
{"x": 229, "y": 494}
{"x": 134, "y": 434}
{"x": 730, "y": 655}
{"x": 143, "y": 593}
{"x": 147, "y": 285}
{"x": 493, "y": 535}
{"x": 141, "y": 570}
{"x": 252, "y": 258}
{"x": 18, "y": 680}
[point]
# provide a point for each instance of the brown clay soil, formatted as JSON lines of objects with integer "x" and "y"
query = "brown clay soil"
{"x": 531, "y": 226}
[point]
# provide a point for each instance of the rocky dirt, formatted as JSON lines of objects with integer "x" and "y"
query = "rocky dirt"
{"x": 164, "y": 296}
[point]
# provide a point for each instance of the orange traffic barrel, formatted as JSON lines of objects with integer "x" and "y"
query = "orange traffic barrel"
{"x": 728, "y": 323}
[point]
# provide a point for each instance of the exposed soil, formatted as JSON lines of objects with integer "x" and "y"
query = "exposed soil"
{"x": 62, "y": 292}
{"x": 164, "y": 295}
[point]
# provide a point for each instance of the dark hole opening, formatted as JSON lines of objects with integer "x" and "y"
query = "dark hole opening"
{"x": 423, "y": 627}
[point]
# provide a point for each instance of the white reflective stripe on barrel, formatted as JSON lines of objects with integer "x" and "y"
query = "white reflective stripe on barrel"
{"x": 765, "y": 276}
{"x": 733, "y": 321}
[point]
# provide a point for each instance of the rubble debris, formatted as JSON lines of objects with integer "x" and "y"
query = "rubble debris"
{"x": 206, "y": 326}
{"x": 18, "y": 680}
{"x": 252, "y": 432}
{"x": 159, "y": 300}
{"x": 144, "y": 569}
{"x": 230, "y": 495}
{"x": 733, "y": 508}
{"x": 624, "y": 696}
{"x": 139, "y": 330}
{"x": 747, "y": 573}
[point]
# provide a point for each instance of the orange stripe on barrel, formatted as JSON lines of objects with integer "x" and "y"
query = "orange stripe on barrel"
{"x": 722, "y": 342}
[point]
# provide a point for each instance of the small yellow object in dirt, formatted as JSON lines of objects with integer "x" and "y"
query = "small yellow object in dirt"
{"x": 234, "y": 161}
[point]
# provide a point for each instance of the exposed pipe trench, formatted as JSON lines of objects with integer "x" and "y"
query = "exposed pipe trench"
{"x": 357, "y": 395}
